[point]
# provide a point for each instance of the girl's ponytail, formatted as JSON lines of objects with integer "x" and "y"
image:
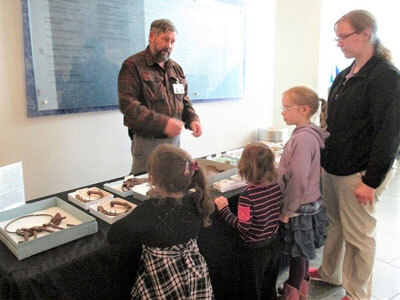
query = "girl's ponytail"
{"x": 324, "y": 113}
{"x": 202, "y": 198}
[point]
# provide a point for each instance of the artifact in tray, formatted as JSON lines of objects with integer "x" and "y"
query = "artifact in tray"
{"x": 212, "y": 170}
{"x": 112, "y": 210}
{"x": 39, "y": 226}
{"x": 122, "y": 187}
{"x": 216, "y": 171}
{"x": 34, "y": 225}
{"x": 88, "y": 196}
{"x": 115, "y": 207}
{"x": 131, "y": 182}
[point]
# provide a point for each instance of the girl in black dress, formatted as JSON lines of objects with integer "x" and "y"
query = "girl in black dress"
{"x": 167, "y": 225}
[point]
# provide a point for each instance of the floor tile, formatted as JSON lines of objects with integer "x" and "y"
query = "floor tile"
{"x": 319, "y": 290}
{"x": 397, "y": 297}
{"x": 388, "y": 226}
{"x": 396, "y": 263}
{"x": 387, "y": 247}
{"x": 388, "y": 206}
{"x": 386, "y": 280}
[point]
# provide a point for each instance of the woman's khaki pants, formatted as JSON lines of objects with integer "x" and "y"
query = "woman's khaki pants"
{"x": 349, "y": 250}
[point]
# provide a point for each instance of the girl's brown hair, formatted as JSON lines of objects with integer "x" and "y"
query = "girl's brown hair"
{"x": 257, "y": 164}
{"x": 303, "y": 95}
{"x": 172, "y": 170}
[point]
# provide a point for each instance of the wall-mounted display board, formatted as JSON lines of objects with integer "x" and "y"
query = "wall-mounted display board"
{"x": 74, "y": 49}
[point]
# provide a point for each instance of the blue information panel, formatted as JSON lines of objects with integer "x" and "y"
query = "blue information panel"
{"x": 74, "y": 49}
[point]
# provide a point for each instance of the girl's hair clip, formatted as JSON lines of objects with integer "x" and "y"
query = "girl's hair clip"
{"x": 195, "y": 166}
{"x": 187, "y": 169}
{"x": 190, "y": 166}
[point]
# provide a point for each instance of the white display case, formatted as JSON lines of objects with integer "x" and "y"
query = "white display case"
{"x": 79, "y": 225}
{"x": 116, "y": 186}
{"x": 140, "y": 191}
{"x": 88, "y": 196}
{"x": 227, "y": 170}
{"x": 225, "y": 185}
{"x": 109, "y": 206}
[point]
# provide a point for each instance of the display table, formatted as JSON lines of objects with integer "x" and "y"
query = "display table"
{"x": 89, "y": 268}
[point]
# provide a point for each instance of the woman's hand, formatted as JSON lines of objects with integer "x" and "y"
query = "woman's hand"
{"x": 283, "y": 218}
{"x": 365, "y": 194}
{"x": 221, "y": 202}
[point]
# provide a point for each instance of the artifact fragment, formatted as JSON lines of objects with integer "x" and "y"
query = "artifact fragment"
{"x": 212, "y": 170}
{"x": 113, "y": 203}
{"x": 26, "y": 233}
{"x": 131, "y": 182}
{"x": 99, "y": 194}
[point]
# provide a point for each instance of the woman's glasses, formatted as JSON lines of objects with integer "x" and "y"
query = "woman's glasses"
{"x": 342, "y": 37}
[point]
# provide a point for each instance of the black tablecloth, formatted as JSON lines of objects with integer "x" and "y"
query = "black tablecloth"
{"x": 89, "y": 268}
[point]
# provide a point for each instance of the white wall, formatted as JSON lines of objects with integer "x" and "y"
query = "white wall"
{"x": 67, "y": 151}
{"x": 296, "y": 48}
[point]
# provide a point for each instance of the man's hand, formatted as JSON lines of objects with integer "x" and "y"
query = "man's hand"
{"x": 173, "y": 127}
{"x": 365, "y": 194}
{"x": 221, "y": 202}
{"x": 195, "y": 126}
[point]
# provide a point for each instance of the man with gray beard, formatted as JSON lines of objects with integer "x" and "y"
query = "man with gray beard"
{"x": 152, "y": 91}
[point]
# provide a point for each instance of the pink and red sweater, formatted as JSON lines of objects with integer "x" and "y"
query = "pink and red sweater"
{"x": 258, "y": 214}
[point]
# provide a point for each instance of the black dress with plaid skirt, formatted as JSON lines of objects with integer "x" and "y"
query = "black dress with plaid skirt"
{"x": 171, "y": 266}
{"x": 177, "y": 272}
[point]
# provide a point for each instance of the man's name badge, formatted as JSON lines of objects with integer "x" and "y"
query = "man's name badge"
{"x": 178, "y": 88}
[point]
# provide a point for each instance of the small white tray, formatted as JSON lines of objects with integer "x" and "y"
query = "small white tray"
{"x": 116, "y": 186}
{"x": 140, "y": 191}
{"x": 107, "y": 206}
{"x": 83, "y": 192}
{"x": 225, "y": 185}
{"x": 84, "y": 224}
{"x": 227, "y": 170}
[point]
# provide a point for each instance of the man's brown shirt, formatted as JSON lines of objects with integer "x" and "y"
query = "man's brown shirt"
{"x": 146, "y": 95}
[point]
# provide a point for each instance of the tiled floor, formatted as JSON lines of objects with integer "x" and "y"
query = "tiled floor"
{"x": 386, "y": 281}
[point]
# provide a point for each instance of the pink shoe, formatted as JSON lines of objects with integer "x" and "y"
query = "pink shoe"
{"x": 290, "y": 293}
{"x": 314, "y": 275}
{"x": 304, "y": 289}
{"x": 345, "y": 298}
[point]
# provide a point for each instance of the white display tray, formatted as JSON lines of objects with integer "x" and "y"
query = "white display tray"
{"x": 85, "y": 205}
{"x": 106, "y": 205}
{"x": 140, "y": 191}
{"x": 84, "y": 224}
{"x": 225, "y": 185}
{"x": 116, "y": 186}
{"x": 228, "y": 170}
{"x": 277, "y": 148}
